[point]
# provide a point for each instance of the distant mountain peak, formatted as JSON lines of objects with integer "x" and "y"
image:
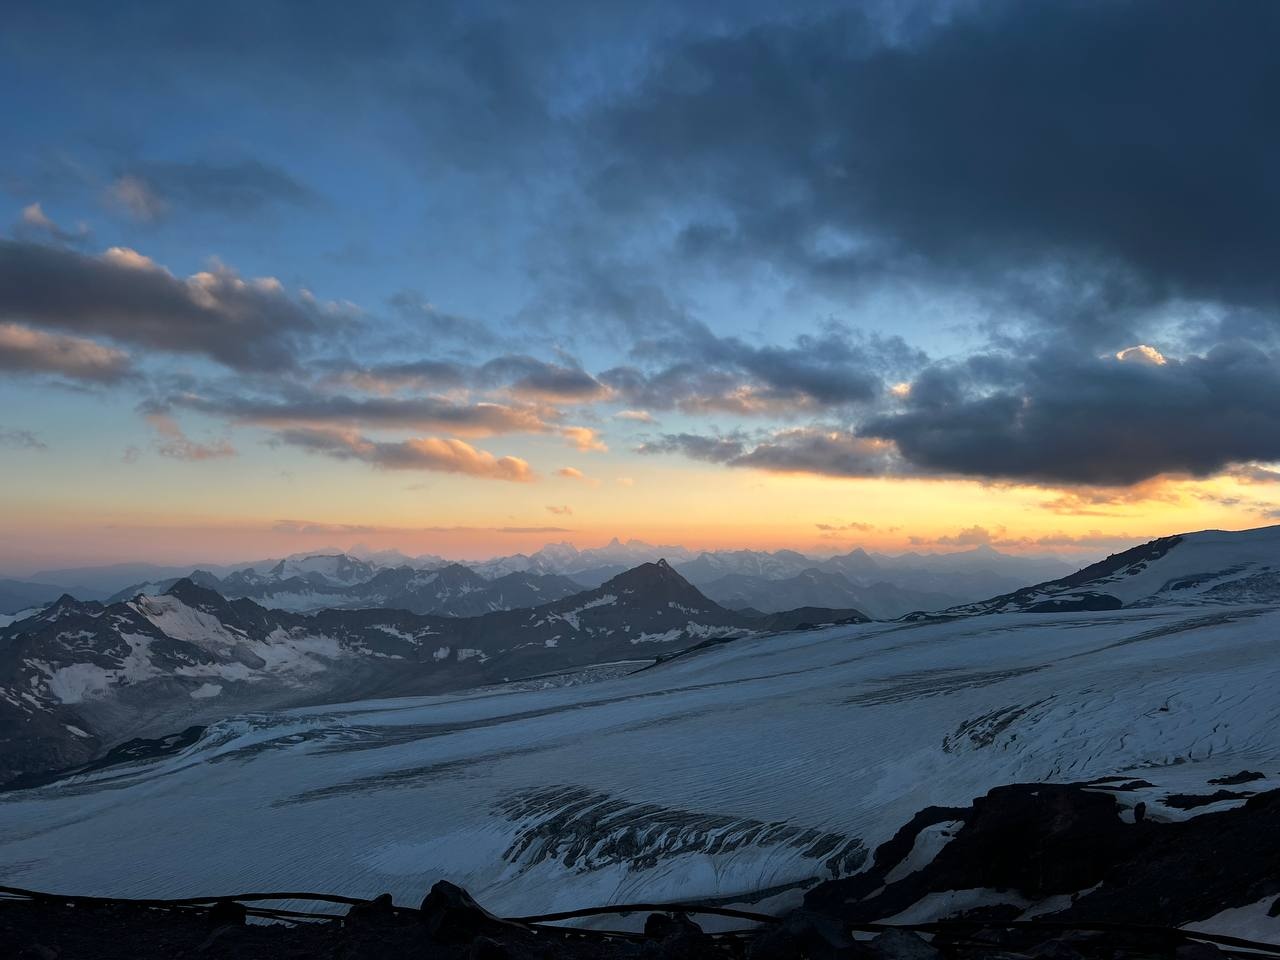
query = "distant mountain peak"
{"x": 65, "y": 605}
{"x": 658, "y": 581}
{"x": 194, "y": 595}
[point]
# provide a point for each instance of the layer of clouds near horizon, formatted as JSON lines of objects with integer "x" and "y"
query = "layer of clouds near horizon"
{"x": 1017, "y": 243}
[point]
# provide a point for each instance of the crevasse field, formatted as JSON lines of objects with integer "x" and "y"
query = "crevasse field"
{"x": 736, "y": 770}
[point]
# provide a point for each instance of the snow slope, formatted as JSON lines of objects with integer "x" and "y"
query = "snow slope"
{"x": 1207, "y": 568}
{"x": 743, "y": 767}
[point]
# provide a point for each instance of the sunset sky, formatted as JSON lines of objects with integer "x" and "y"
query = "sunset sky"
{"x": 464, "y": 279}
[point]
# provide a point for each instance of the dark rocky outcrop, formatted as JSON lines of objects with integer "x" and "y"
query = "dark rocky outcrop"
{"x": 1039, "y": 840}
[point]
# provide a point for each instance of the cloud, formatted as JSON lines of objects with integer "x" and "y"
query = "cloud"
{"x": 23, "y": 350}
{"x": 244, "y": 324}
{"x": 529, "y": 378}
{"x": 635, "y": 416}
{"x": 34, "y": 221}
{"x": 573, "y": 473}
{"x": 1108, "y": 501}
{"x": 526, "y": 379}
{"x": 832, "y": 453}
{"x": 561, "y": 510}
{"x": 625, "y": 482}
{"x": 829, "y": 149}
{"x": 969, "y": 537}
{"x": 854, "y": 526}
{"x": 173, "y": 443}
{"x": 698, "y": 372}
{"x": 1254, "y": 473}
{"x": 584, "y": 438}
{"x": 1062, "y": 418}
{"x": 440, "y": 326}
{"x": 303, "y": 408}
{"x": 135, "y": 197}
{"x": 148, "y": 192}
{"x": 1142, "y": 353}
{"x": 428, "y": 453}
{"x": 811, "y": 450}
{"x": 312, "y": 527}
{"x": 21, "y": 440}
{"x": 327, "y": 529}
{"x": 696, "y": 446}
{"x": 389, "y": 378}
{"x": 976, "y": 536}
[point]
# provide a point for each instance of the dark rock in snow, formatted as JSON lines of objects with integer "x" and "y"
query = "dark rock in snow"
{"x": 903, "y": 945}
{"x": 451, "y": 915}
{"x": 1041, "y": 840}
{"x": 1244, "y": 776}
{"x": 380, "y": 909}
{"x": 1189, "y": 801}
{"x": 227, "y": 913}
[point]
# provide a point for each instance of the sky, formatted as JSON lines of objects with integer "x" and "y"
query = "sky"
{"x": 466, "y": 278}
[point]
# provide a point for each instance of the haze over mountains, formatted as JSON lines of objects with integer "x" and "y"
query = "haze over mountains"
{"x": 879, "y": 585}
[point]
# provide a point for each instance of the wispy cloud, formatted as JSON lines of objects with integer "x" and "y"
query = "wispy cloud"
{"x": 20, "y": 440}
{"x": 174, "y": 443}
{"x": 33, "y": 221}
{"x": 635, "y": 416}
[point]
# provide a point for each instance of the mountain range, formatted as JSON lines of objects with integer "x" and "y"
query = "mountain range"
{"x": 881, "y": 586}
{"x": 78, "y": 675}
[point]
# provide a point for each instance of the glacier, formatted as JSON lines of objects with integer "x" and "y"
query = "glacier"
{"x": 734, "y": 772}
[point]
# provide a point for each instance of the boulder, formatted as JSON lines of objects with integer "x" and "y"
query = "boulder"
{"x": 452, "y": 916}
{"x": 378, "y": 910}
{"x": 902, "y": 945}
{"x": 227, "y": 913}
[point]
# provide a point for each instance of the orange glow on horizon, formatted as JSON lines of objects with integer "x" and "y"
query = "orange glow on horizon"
{"x": 702, "y": 508}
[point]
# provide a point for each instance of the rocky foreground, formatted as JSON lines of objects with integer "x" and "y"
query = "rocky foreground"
{"x": 1120, "y": 884}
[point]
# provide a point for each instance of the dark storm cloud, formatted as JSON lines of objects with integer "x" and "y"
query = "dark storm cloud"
{"x": 149, "y": 190}
{"x": 1062, "y": 418}
{"x": 248, "y": 325}
{"x": 834, "y": 453}
{"x": 1013, "y": 136}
